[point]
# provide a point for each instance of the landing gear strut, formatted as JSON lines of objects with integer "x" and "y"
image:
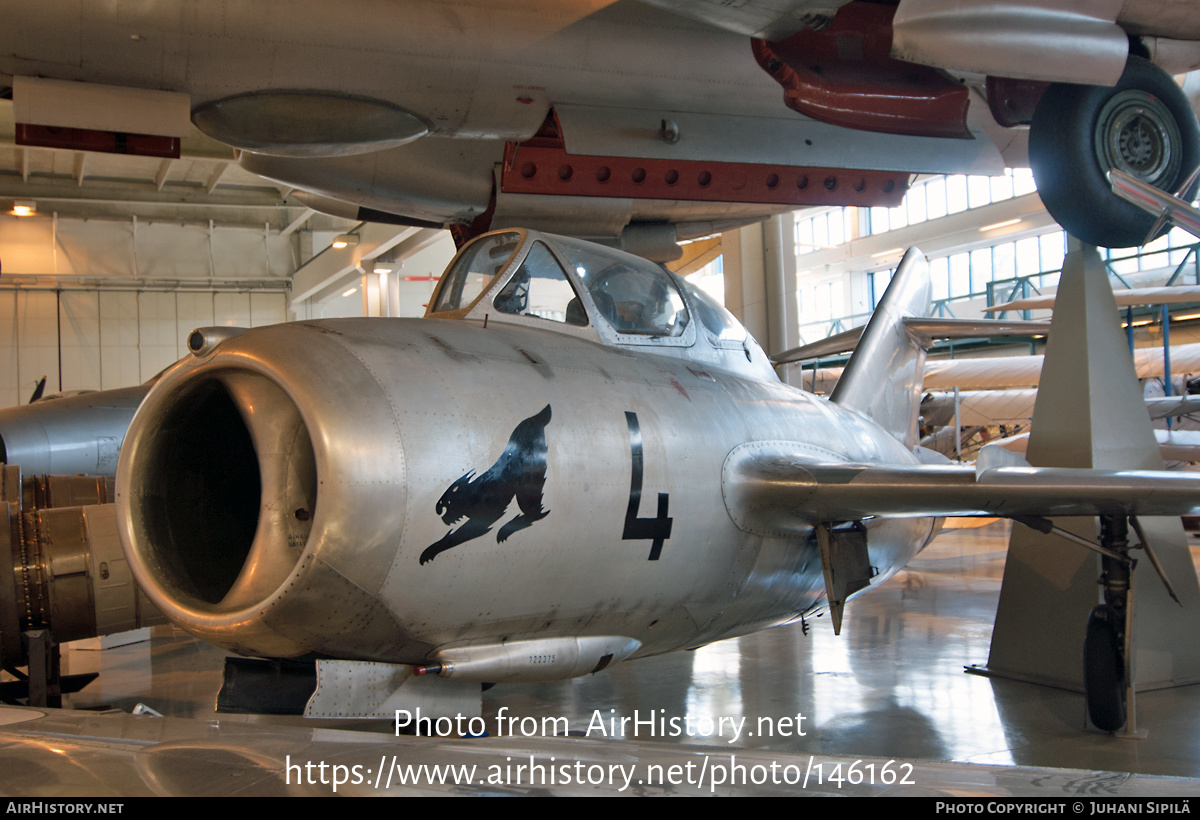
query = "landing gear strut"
{"x": 1104, "y": 664}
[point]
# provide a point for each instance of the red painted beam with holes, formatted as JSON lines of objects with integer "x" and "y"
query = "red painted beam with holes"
{"x": 107, "y": 142}
{"x": 543, "y": 169}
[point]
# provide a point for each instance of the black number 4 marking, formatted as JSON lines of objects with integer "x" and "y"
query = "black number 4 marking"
{"x": 656, "y": 529}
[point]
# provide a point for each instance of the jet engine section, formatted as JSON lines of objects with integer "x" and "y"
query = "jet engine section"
{"x": 79, "y": 434}
{"x": 62, "y": 570}
{"x": 228, "y": 509}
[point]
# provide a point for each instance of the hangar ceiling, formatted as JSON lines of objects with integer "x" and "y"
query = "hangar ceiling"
{"x": 162, "y": 213}
{"x": 204, "y": 184}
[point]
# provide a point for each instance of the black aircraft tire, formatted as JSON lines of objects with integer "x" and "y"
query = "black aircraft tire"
{"x": 1104, "y": 670}
{"x": 1143, "y": 125}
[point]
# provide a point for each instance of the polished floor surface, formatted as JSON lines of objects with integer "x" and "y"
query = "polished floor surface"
{"x": 891, "y": 687}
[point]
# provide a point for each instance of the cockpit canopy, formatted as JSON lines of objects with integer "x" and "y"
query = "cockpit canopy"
{"x": 565, "y": 284}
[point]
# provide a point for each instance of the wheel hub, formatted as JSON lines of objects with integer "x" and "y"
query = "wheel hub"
{"x": 1137, "y": 134}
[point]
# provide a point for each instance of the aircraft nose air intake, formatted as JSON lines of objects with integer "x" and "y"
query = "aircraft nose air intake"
{"x": 224, "y": 504}
{"x": 260, "y": 496}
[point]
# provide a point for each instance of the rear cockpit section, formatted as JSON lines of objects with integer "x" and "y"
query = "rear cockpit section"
{"x": 540, "y": 288}
{"x": 593, "y": 292}
{"x": 635, "y": 298}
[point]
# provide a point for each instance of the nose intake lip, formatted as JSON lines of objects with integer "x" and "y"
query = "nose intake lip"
{"x": 225, "y": 467}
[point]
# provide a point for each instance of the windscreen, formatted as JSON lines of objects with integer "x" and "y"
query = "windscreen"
{"x": 474, "y": 268}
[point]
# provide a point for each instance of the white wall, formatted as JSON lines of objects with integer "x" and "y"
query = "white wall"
{"x": 99, "y": 249}
{"x": 110, "y": 339}
{"x": 99, "y": 304}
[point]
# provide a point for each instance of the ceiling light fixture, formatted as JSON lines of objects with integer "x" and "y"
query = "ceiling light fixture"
{"x": 23, "y": 207}
{"x": 344, "y": 240}
{"x": 1003, "y": 224}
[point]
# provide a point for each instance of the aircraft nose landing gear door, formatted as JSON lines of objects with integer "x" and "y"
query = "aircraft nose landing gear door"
{"x": 846, "y": 564}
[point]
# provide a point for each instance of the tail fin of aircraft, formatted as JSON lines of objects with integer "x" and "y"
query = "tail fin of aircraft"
{"x": 884, "y": 377}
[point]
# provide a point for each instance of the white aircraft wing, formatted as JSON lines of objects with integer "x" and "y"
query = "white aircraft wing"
{"x": 983, "y": 373}
{"x": 1173, "y": 445}
{"x": 980, "y": 408}
{"x": 1179, "y": 445}
{"x": 1174, "y": 295}
{"x": 925, "y": 329}
{"x": 1148, "y": 361}
{"x": 1005, "y": 372}
{"x": 986, "y": 408}
{"x": 1162, "y": 407}
{"x": 1001, "y": 372}
{"x": 1026, "y": 371}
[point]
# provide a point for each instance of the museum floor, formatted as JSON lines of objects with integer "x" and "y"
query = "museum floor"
{"x": 891, "y": 687}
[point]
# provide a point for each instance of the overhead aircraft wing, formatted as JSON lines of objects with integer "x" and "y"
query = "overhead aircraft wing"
{"x": 1174, "y": 295}
{"x": 1026, "y": 371}
{"x": 777, "y": 489}
{"x": 992, "y": 407}
{"x": 1004, "y": 372}
{"x": 1162, "y": 407}
{"x": 1148, "y": 361}
{"x": 924, "y": 330}
{"x": 980, "y": 408}
{"x": 1173, "y": 445}
{"x": 1179, "y": 445}
{"x": 769, "y": 19}
{"x": 996, "y": 371}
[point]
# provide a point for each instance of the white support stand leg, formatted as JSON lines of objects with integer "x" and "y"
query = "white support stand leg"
{"x": 1090, "y": 413}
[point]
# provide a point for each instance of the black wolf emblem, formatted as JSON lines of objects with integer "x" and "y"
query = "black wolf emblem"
{"x": 520, "y": 471}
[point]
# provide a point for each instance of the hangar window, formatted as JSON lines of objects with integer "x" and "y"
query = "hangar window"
{"x": 540, "y": 288}
{"x": 474, "y": 269}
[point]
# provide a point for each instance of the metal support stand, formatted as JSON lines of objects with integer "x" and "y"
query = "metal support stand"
{"x": 1090, "y": 413}
{"x": 45, "y": 686}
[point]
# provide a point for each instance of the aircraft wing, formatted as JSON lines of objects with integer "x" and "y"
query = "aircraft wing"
{"x": 1016, "y": 371}
{"x": 980, "y": 408}
{"x": 774, "y": 489}
{"x": 1174, "y": 295}
{"x": 925, "y": 329}
{"x": 992, "y": 407}
{"x": 982, "y": 373}
{"x": 1173, "y": 445}
{"x": 1179, "y": 445}
{"x": 1162, "y": 407}
{"x": 1148, "y": 361}
{"x": 1022, "y": 371}
{"x": 769, "y": 19}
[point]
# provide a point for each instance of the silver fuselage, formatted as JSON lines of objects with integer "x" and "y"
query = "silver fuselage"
{"x": 397, "y": 410}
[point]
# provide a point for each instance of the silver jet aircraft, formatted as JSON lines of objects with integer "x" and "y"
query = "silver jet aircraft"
{"x": 574, "y": 459}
